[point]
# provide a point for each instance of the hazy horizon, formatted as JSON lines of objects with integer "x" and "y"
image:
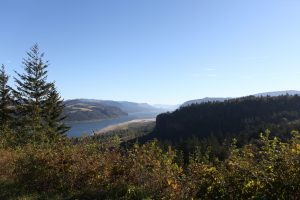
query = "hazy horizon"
{"x": 167, "y": 104}
{"x": 157, "y": 52}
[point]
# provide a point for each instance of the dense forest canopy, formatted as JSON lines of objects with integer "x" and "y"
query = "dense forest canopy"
{"x": 241, "y": 117}
{"x": 214, "y": 124}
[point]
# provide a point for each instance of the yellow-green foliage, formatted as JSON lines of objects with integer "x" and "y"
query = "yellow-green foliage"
{"x": 269, "y": 169}
{"x": 152, "y": 173}
{"x": 266, "y": 169}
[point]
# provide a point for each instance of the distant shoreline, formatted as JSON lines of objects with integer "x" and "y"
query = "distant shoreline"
{"x": 124, "y": 125}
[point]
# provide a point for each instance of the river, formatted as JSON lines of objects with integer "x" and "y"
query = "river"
{"x": 87, "y": 128}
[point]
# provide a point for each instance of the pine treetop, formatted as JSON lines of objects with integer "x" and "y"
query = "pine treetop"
{"x": 32, "y": 85}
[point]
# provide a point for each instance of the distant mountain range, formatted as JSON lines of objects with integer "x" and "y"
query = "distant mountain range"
{"x": 278, "y": 93}
{"x": 91, "y": 109}
{"x": 221, "y": 99}
{"x": 204, "y": 100}
{"x": 166, "y": 107}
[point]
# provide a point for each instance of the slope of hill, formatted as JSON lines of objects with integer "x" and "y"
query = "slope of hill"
{"x": 130, "y": 107}
{"x": 77, "y": 110}
{"x": 278, "y": 93}
{"x": 243, "y": 118}
{"x": 126, "y": 106}
{"x": 222, "y": 99}
{"x": 204, "y": 100}
{"x": 92, "y": 109}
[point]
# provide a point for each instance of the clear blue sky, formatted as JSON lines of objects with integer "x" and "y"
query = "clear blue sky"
{"x": 157, "y": 51}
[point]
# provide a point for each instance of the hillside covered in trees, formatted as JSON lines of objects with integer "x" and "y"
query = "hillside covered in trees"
{"x": 242, "y": 118}
{"x": 217, "y": 123}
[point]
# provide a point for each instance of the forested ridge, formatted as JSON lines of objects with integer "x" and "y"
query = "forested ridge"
{"x": 241, "y": 117}
{"x": 215, "y": 124}
{"x": 219, "y": 150}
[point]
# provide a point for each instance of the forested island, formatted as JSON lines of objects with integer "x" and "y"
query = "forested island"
{"x": 242, "y": 148}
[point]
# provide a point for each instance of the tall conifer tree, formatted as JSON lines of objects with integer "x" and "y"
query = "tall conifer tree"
{"x": 31, "y": 93}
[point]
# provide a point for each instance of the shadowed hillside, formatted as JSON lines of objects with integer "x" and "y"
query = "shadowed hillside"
{"x": 215, "y": 122}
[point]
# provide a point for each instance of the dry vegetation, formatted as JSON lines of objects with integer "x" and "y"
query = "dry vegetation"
{"x": 268, "y": 169}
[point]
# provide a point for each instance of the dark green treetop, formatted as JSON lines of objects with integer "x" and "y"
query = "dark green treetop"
{"x": 54, "y": 107}
{"x": 5, "y": 101}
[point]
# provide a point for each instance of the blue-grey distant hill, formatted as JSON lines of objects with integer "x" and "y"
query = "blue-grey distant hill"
{"x": 166, "y": 107}
{"x": 278, "y": 93}
{"x": 222, "y": 99}
{"x": 92, "y": 109}
{"x": 204, "y": 100}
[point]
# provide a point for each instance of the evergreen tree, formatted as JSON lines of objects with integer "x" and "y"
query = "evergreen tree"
{"x": 31, "y": 93}
{"x": 53, "y": 114}
{"x": 5, "y": 102}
